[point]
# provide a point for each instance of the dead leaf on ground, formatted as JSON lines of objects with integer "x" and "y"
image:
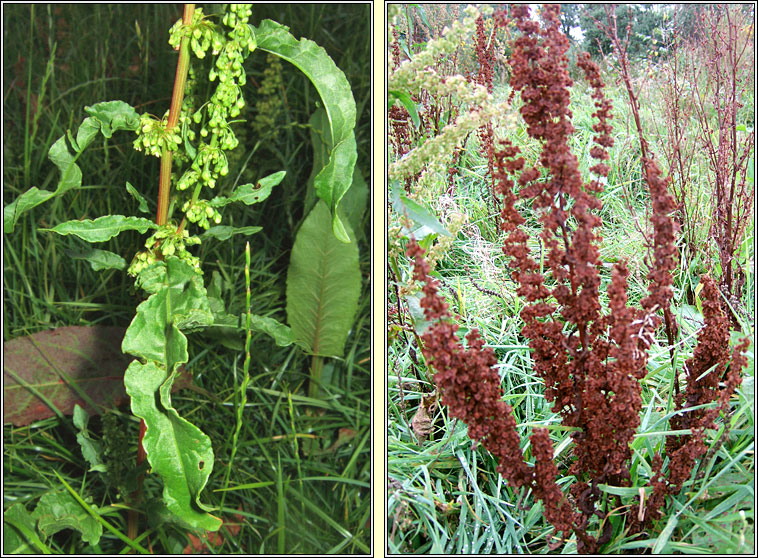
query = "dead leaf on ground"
{"x": 199, "y": 545}
{"x": 421, "y": 423}
{"x": 67, "y": 366}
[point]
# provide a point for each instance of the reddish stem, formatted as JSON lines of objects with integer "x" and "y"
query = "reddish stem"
{"x": 141, "y": 453}
{"x": 180, "y": 81}
{"x": 182, "y": 66}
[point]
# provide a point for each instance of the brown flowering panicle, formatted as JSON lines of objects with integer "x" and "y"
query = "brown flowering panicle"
{"x": 395, "y": 48}
{"x": 592, "y": 361}
{"x": 590, "y": 376}
{"x": 704, "y": 372}
{"x": 469, "y": 385}
{"x": 470, "y": 388}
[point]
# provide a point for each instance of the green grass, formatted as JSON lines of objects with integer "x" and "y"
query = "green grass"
{"x": 445, "y": 495}
{"x": 300, "y": 481}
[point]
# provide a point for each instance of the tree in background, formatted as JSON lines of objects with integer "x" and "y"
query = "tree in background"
{"x": 648, "y": 24}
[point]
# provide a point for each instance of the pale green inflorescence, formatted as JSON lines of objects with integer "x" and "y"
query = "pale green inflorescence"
{"x": 268, "y": 104}
{"x": 426, "y": 164}
{"x": 167, "y": 241}
{"x": 203, "y": 128}
{"x": 418, "y": 74}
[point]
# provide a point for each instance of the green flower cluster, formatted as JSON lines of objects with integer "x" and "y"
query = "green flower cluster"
{"x": 268, "y": 102}
{"x": 201, "y": 33}
{"x": 201, "y": 212}
{"x": 203, "y": 128}
{"x": 209, "y": 161}
{"x": 153, "y": 137}
{"x": 168, "y": 240}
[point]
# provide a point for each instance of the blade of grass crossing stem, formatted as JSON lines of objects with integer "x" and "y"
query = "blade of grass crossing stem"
{"x": 664, "y": 537}
{"x": 280, "y": 507}
{"x": 242, "y": 398}
{"x": 99, "y": 519}
{"x": 295, "y": 445}
{"x": 20, "y": 381}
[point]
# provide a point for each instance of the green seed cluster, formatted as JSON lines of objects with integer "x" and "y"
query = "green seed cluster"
{"x": 168, "y": 240}
{"x": 227, "y": 101}
{"x": 200, "y": 31}
{"x": 153, "y": 136}
{"x": 203, "y": 128}
{"x": 268, "y": 102}
{"x": 201, "y": 212}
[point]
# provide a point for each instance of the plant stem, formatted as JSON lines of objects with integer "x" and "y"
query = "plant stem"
{"x": 314, "y": 384}
{"x": 182, "y": 66}
{"x": 164, "y": 187}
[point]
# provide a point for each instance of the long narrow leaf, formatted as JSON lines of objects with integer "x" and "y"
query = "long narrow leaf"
{"x": 107, "y": 117}
{"x": 103, "y": 228}
{"x": 335, "y": 177}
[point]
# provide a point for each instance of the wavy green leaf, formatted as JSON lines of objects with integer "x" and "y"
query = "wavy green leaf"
{"x": 107, "y": 117}
{"x": 178, "y": 301}
{"x": 225, "y": 232}
{"x": 355, "y": 203}
{"x": 323, "y": 285}
{"x": 92, "y": 450}
{"x": 176, "y": 449}
{"x": 321, "y": 143}
{"x": 139, "y": 197}
{"x": 335, "y": 177}
{"x": 98, "y": 259}
{"x": 279, "y": 332}
{"x": 71, "y": 177}
{"x": 58, "y": 510}
{"x": 103, "y": 228}
{"x": 251, "y": 193}
{"x": 113, "y": 116}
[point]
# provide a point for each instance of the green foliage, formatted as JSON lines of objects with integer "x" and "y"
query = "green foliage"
{"x": 60, "y": 510}
{"x": 179, "y": 453}
{"x": 334, "y": 179}
{"x": 647, "y": 28}
{"x": 323, "y": 285}
{"x": 55, "y": 511}
{"x": 326, "y": 490}
{"x": 103, "y": 228}
{"x": 105, "y": 117}
{"x": 92, "y": 449}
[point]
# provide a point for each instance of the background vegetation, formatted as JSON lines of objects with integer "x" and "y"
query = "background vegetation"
{"x": 301, "y": 473}
{"x": 445, "y": 495}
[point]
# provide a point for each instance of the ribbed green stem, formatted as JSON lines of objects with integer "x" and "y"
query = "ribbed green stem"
{"x": 245, "y": 378}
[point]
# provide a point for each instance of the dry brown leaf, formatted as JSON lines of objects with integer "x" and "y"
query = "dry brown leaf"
{"x": 421, "y": 423}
